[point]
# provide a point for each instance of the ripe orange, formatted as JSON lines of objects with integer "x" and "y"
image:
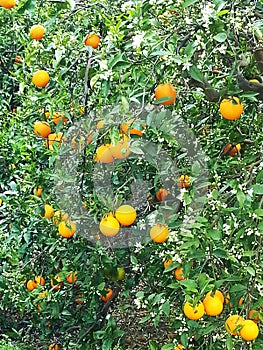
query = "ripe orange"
{"x": 218, "y": 294}
{"x": 126, "y": 215}
{"x": 249, "y": 330}
{"x": 92, "y": 40}
{"x": 37, "y": 32}
{"x": 53, "y": 347}
{"x": 49, "y": 211}
{"x": 42, "y": 294}
{"x": 231, "y": 150}
{"x": 179, "y": 275}
{"x": 56, "y": 282}
{"x": 109, "y": 293}
{"x": 59, "y": 216}
{"x": 54, "y": 139}
{"x": 40, "y": 280}
{"x": 233, "y": 324}
{"x": 231, "y": 108}
{"x": 184, "y": 181}
{"x": 104, "y": 154}
{"x": 179, "y": 347}
{"x": 161, "y": 194}
{"x": 7, "y": 4}
{"x": 38, "y": 191}
{"x": 42, "y": 129}
{"x": 167, "y": 263}
{"x": 194, "y": 312}
{"x": 109, "y": 226}
{"x": 253, "y": 315}
{"x": 133, "y": 127}
{"x": 59, "y": 116}
{"x": 72, "y": 277}
{"x": 67, "y": 228}
{"x": 213, "y": 305}
{"x": 40, "y": 78}
{"x": 159, "y": 233}
{"x": 31, "y": 285}
{"x": 121, "y": 150}
{"x": 165, "y": 91}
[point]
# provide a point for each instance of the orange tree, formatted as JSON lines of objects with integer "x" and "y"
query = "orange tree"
{"x": 211, "y": 219}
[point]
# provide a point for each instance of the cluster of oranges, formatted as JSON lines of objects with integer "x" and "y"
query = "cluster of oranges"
{"x": 66, "y": 227}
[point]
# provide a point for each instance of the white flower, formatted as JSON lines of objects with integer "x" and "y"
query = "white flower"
{"x": 137, "y": 40}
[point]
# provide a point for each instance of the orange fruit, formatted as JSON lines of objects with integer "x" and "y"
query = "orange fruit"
{"x": 231, "y": 108}
{"x": 108, "y": 295}
{"x": 53, "y": 347}
{"x": 233, "y": 324}
{"x": 40, "y": 78}
{"x": 231, "y": 150}
{"x": 165, "y": 91}
{"x": 72, "y": 277}
{"x": 31, "y": 285}
{"x": 133, "y": 127}
{"x": 7, "y": 4}
{"x": 42, "y": 129}
{"x": 42, "y": 294}
{"x": 218, "y": 294}
{"x": 249, "y": 330}
{"x": 59, "y": 216}
{"x": 100, "y": 124}
{"x": 55, "y": 138}
{"x": 104, "y": 154}
{"x": 121, "y": 150}
{"x": 159, "y": 233}
{"x": 179, "y": 347}
{"x": 213, "y": 305}
{"x": 56, "y": 282}
{"x": 194, "y": 312}
{"x": 59, "y": 116}
{"x": 179, "y": 275}
{"x": 92, "y": 40}
{"x": 37, "y": 32}
{"x": 40, "y": 280}
{"x": 161, "y": 194}
{"x": 253, "y": 315}
{"x": 109, "y": 226}
{"x": 18, "y": 59}
{"x": 126, "y": 215}
{"x": 49, "y": 211}
{"x": 167, "y": 263}
{"x": 38, "y": 191}
{"x": 184, "y": 181}
{"x": 67, "y": 228}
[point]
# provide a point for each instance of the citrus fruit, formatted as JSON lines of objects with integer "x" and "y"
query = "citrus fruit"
{"x": 194, "y": 312}
{"x": 18, "y": 59}
{"x": 133, "y": 127}
{"x": 53, "y": 347}
{"x": 49, "y": 211}
{"x": 40, "y": 280}
{"x": 159, "y": 233}
{"x": 54, "y": 139}
{"x": 126, "y": 215}
{"x": 231, "y": 150}
{"x": 231, "y": 108}
{"x": 42, "y": 294}
{"x": 7, "y": 4}
{"x": 72, "y": 277}
{"x": 56, "y": 282}
{"x": 100, "y": 124}
{"x": 38, "y": 191}
{"x": 218, "y": 294}
{"x": 31, "y": 285}
{"x": 40, "y": 78}
{"x": 184, "y": 181}
{"x": 253, "y": 315}
{"x": 42, "y": 129}
{"x": 233, "y": 324}
{"x": 165, "y": 91}
{"x": 92, "y": 40}
{"x": 121, "y": 150}
{"x": 120, "y": 273}
{"x": 109, "y": 226}
{"x": 66, "y": 228}
{"x": 179, "y": 347}
{"x": 108, "y": 295}
{"x": 161, "y": 194}
{"x": 167, "y": 263}
{"x": 249, "y": 330}
{"x": 179, "y": 275}
{"x": 104, "y": 154}
{"x": 213, "y": 305}
{"x": 59, "y": 216}
{"x": 37, "y": 32}
{"x": 59, "y": 116}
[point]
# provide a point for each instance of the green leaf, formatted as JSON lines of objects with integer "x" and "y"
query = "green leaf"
{"x": 241, "y": 198}
{"x": 190, "y": 285}
{"x": 189, "y": 50}
{"x": 168, "y": 347}
{"x": 220, "y": 253}
{"x": 220, "y": 37}
{"x": 134, "y": 260}
{"x": 258, "y": 189}
{"x": 229, "y": 342}
{"x": 145, "y": 318}
{"x": 196, "y": 74}
{"x": 237, "y": 288}
{"x": 222, "y": 13}
{"x": 215, "y": 235}
{"x": 166, "y": 308}
{"x": 188, "y": 3}
{"x": 153, "y": 345}
{"x": 251, "y": 271}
